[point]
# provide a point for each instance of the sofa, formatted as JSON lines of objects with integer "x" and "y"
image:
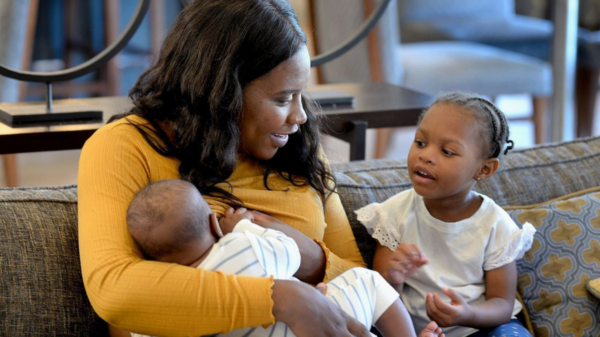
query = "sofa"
{"x": 555, "y": 187}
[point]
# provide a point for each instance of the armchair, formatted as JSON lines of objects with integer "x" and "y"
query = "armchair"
{"x": 493, "y": 23}
{"x": 428, "y": 67}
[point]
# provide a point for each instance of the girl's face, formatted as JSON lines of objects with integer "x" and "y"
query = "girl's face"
{"x": 272, "y": 108}
{"x": 446, "y": 156}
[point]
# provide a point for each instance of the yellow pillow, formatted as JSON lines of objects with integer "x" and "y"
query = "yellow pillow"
{"x": 593, "y": 286}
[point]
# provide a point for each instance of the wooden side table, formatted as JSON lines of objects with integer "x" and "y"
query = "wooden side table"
{"x": 376, "y": 105}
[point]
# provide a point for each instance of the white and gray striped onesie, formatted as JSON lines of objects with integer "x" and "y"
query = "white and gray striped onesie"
{"x": 252, "y": 250}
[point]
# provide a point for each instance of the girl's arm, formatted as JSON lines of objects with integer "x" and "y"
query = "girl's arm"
{"x": 396, "y": 265}
{"x": 500, "y": 294}
{"x": 500, "y": 288}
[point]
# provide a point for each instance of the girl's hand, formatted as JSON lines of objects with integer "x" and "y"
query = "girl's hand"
{"x": 231, "y": 218}
{"x": 396, "y": 266}
{"x": 447, "y": 314}
{"x": 308, "y": 313}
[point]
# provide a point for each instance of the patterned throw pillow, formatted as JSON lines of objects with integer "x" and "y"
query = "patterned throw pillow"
{"x": 565, "y": 255}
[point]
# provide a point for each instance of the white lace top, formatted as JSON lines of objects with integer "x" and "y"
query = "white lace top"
{"x": 459, "y": 252}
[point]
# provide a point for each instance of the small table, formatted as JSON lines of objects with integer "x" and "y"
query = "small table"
{"x": 376, "y": 105}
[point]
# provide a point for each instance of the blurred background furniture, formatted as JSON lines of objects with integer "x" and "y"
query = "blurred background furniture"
{"x": 588, "y": 75}
{"x": 17, "y": 22}
{"x": 497, "y": 23}
{"x": 428, "y": 67}
{"x": 375, "y": 104}
{"x": 494, "y": 23}
{"x": 67, "y": 34}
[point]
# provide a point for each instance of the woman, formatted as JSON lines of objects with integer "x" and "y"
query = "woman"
{"x": 221, "y": 108}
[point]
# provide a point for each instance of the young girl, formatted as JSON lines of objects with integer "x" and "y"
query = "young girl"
{"x": 450, "y": 251}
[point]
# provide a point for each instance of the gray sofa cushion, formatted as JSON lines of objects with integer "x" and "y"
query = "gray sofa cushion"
{"x": 41, "y": 288}
{"x": 525, "y": 177}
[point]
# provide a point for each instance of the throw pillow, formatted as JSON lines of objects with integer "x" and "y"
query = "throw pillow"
{"x": 564, "y": 256}
{"x": 593, "y": 287}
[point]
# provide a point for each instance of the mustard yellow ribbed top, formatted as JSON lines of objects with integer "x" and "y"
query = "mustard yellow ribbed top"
{"x": 168, "y": 299}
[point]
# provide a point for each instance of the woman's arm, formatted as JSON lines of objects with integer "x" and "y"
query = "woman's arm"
{"x": 500, "y": 292}
{"x": 312, "y": 261}
{"x": 308, "y": 313}
{"x": 145, "y": 296}
{"x": 339, "y": 243}
{"x": 168, "y": 299}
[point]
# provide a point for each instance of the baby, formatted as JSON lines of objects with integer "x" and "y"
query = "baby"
{"x": 447, "y": 249}
{"x": 171, "y": 222}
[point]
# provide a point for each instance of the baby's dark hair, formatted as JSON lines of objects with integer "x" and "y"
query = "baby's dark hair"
{"x": 494, "y": 124}
{"x": 153, "y": 207}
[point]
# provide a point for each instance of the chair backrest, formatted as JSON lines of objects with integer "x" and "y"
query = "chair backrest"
{"x": 13, "y": 31}
{"x": 335, "y": 23}
{"x": 431, "y": 9}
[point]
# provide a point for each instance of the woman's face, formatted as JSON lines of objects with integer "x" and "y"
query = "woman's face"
{"x": 272, "y": 107}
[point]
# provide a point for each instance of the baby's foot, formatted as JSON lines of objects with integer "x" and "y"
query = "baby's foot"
{"x": 431, "y": 330}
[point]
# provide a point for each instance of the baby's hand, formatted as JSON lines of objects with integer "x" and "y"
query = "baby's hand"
{"x": 405, "y": 260}
{"x": 231, "y": 218}
{"x": 456, "y": 312}
{"x": 322, "y": 287}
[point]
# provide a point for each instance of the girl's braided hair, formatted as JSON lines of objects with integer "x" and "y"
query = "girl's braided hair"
{"x": 494, "y": 124}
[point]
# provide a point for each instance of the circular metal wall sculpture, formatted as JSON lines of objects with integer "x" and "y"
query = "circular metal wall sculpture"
{"x": 88, "y": 66}
{"x": 42, "y": 114}
{"x": 360, "y": 33}
{"x": 75, "y": 112}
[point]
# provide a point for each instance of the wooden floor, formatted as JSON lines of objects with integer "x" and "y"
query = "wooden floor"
{"x": 60, "y": 168}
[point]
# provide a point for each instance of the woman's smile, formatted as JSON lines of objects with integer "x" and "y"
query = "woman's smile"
{"x": 281, "y": 138}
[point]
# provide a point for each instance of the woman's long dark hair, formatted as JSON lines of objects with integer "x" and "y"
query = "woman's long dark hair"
{"x": 194, "y": 89}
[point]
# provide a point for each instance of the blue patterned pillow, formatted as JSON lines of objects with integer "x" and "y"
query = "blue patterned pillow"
{"x": 564, "y": 256}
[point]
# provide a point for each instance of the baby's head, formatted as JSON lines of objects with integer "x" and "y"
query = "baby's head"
{"x": 171, "y": 222}
{"x": 458, "y": 142}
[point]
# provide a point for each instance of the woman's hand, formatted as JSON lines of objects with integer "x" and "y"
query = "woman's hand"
{"x": 396, "y": 266}
{"x": 457, "y": 312}
{"x": 309, "y": 313}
